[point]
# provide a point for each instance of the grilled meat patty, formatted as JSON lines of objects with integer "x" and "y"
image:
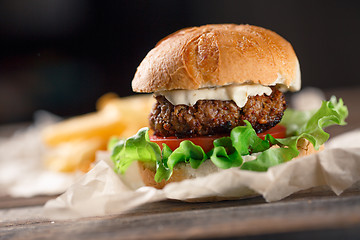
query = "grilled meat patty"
{"x": 210, "y": 117}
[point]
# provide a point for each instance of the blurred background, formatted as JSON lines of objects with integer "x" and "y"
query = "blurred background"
{"x": 62, "y": 55}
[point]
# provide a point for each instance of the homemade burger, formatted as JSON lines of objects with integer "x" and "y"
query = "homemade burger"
{"x": 219, "y": 101}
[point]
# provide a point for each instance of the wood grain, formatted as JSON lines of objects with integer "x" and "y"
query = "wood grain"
{"x": 10, "y": 202}
{"x": 178, "y": 220}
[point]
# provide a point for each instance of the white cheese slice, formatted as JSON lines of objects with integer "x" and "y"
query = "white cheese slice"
{"x": 238, "y": 93}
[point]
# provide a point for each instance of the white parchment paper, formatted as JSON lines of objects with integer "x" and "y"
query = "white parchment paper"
{"x": 22, "y": 171}
{"x": 102, "y": 192}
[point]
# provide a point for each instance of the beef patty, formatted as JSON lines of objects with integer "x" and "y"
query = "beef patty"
{"x": 210, "y": 117}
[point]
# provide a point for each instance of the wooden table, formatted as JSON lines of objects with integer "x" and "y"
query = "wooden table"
{"x": 303, "y": 215}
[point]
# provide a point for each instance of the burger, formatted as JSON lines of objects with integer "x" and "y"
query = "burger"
{"x": 220, "y": 104}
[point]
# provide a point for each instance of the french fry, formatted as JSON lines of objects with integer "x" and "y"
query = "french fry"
{"x": 100, "y": 124}
{"x": 115, "y": 116}
{"x": 105, "y": 99}
{"x": 74, "y": 142}
{"x": 134, "y": 112}
{"x": 74, "y": 155}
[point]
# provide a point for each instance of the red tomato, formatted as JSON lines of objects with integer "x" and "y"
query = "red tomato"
{"x": 279, "y": 131}
{"x": 206, "y": 143}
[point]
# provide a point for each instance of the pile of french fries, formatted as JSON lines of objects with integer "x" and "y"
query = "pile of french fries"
{"x": 73, "y": 143}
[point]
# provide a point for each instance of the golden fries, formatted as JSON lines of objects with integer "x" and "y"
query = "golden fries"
{"x": 74, "y": 155}
{"x": 100, "y": 124}
{"x": 75, "y": 141}
{"x": 134, "y": 112}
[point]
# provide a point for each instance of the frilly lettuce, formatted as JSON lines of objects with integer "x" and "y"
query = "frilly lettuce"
{"x": 137, "y": 147}
{"x": 228, "y": 151}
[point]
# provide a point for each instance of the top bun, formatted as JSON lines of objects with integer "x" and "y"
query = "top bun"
{"x": 218, "y": 55}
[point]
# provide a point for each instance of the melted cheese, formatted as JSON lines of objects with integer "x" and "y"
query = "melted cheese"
{"x": 238, "y": 93}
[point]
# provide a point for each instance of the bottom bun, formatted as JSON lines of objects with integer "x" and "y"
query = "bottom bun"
{"x": 184, "y": 171}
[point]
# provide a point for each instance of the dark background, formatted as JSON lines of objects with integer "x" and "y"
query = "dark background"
{"x": 62, "y": 55}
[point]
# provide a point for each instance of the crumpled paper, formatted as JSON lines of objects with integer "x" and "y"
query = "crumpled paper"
{"x": 102, "y": 191}
{"x": 22, "y": 172}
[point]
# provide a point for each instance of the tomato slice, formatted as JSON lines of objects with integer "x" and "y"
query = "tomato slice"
{"x": 279, "y": 131}
{"x": 206, "y": 143}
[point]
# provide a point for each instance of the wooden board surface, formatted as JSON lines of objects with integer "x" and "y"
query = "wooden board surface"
{"x": 179, "y": 220}
{"x": 310, "y": 215}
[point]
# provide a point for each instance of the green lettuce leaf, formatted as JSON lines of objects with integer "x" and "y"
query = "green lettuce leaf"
{"x": 246, "y": 141}
{"x": 162, "y": 170}
{"x": 268, "y": 158}
{"x": 295, "y": 120}
{"x": 330, "y": 113}
{"x": 224, "y": 155}
{"x": 135, "y": 148}
{"x": 187, "y": 152}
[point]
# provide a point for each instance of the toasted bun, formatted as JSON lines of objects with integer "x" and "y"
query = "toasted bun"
{"x": 218, "y": 55}
{"x": 185, "y": 171}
